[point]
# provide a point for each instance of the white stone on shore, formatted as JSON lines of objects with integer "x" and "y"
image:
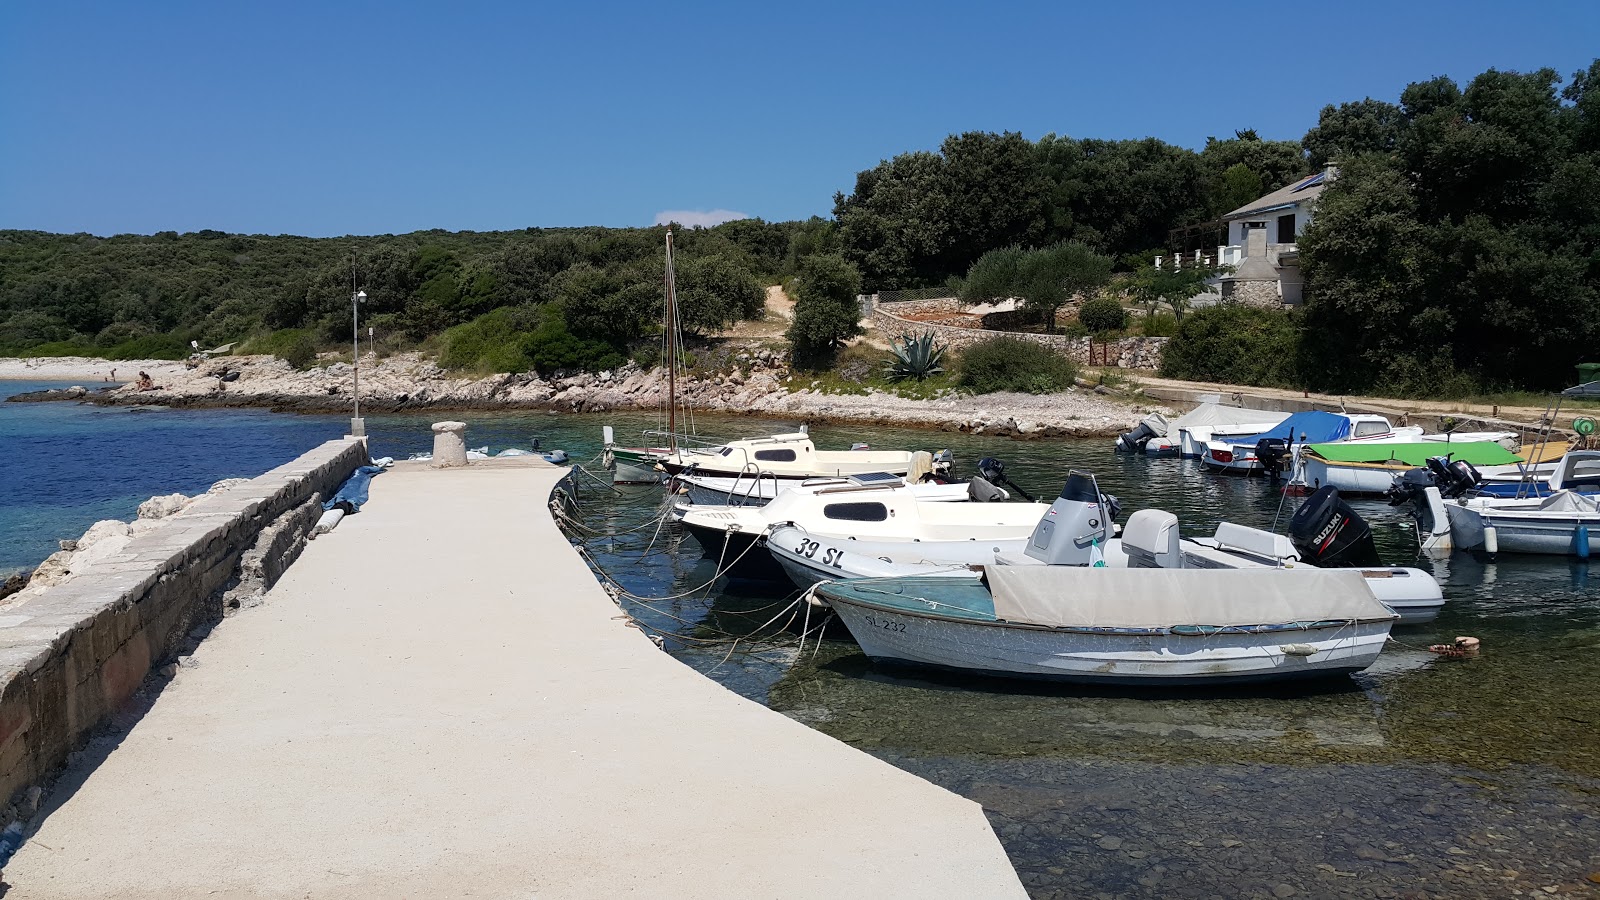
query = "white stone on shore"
{"x": 161, "y": 507}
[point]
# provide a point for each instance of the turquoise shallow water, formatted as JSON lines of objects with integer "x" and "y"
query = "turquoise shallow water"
{"x": 1424, "y": 777}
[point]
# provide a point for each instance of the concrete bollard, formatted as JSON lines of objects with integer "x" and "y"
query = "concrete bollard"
{"x": 449, "y": 444}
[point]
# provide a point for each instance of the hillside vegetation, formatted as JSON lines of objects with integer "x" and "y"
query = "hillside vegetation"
{"x": 1457, "y": 250}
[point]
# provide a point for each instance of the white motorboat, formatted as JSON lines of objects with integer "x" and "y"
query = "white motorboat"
{"x": 759, "y": 490}
{"x": 1132, "y": 626}
{"x": 787, "y": 457}
{"x": 808, "y": 557}
{"x": 733, "y": 535}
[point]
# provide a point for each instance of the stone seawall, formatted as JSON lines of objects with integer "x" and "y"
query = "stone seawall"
{"x": 72, "y": 654}
{"x": 1124, "y": 353}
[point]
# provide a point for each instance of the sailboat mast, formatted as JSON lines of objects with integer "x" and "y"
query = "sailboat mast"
{"x": 672, "y": 351}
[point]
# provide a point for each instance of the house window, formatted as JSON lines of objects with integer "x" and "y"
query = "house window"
{"x": 775, "y": 455}
{"x": 1286, "y": 229}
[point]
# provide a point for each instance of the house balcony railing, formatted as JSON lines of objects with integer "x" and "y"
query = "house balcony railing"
{"x": 1223, "y": 256}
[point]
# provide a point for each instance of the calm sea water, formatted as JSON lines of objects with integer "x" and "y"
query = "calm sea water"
{"x": 1422, "y": 777}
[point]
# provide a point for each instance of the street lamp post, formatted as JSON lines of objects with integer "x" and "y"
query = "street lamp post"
{"x": 357, "y": 427}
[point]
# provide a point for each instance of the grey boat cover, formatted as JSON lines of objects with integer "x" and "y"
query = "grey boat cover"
{"x": 1083, "y": 597}
{"x": 1215, "y": 414}
{"x": 1561, "y": 501}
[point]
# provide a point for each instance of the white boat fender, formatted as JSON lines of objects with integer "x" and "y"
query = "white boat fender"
{"x": 1298, "y": 650}
{"x": 1491, "y": 540}
{"x": 328, "y": 522}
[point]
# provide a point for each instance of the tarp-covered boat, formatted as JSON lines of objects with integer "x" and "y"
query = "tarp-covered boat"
{"x": 1122, "y": 626}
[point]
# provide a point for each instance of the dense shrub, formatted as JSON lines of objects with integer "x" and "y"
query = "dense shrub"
{"x": 521, "y": 339}
{"x": 292, "y": 345}
{"x": 825, "y": 309}
{"x": 1235, "y": 345}
{"x": 149, "y": 346}
{"x": 1013, "y": 364}
{"x": 1102, "y": 314}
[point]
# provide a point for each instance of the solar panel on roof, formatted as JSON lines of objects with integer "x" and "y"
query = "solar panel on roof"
{"x": 1310, "y": 182}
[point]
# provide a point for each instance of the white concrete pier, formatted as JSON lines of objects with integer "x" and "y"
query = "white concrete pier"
{"x": 438, "y": 700}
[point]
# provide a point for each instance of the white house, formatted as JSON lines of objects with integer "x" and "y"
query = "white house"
{"x": 1263, "y": 240}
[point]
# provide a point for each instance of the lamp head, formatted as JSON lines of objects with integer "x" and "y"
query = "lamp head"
{"x": 361, "y": 296}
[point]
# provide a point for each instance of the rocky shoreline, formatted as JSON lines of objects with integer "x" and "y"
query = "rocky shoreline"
{"x": 758, "y": 382}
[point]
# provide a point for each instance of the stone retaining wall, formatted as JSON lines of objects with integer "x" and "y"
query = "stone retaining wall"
{"x": 1125, "y": 353}
{"x": 71, "y": 655}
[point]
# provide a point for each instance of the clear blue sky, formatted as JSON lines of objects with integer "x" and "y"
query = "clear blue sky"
{"x": 351, "y": 118}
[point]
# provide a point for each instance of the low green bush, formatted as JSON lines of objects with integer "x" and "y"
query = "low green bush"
{"x": 1235, "y": 345}
{"x": 1014, "y": 364}
{"x": 1160, "y": 324}
{"x": 1102, "y": 314}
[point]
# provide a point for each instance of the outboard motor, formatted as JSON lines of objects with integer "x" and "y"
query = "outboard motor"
{"x": 1408, "y": 487}
{"x": 1273, "y": 454}
{"x": 1326, "y": 532}
{"x": 979, "y": 490}
{"x": 1153, "y": 425}
{"x": 1068, "y": 532}
{"x": 1134, "y": 441}
{"x": 995, "y": 471}
{"x": 1453, "y": 478}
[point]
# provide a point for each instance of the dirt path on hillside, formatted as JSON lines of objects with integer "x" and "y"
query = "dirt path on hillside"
{"x": 1412, "y": 408}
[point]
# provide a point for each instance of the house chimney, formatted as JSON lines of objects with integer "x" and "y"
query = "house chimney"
{"x": 1255, "y": 242}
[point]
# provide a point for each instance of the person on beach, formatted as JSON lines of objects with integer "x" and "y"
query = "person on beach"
{"x": 144, "y": 383}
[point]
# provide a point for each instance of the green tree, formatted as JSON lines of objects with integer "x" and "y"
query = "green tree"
{"x": 1174, "y": 288}
{"x": 1352, "y": 129}
{"x": 1044, "y": 279}
{"x": 715, "y": 292}
{"x": 1463, "y": 257}
{"x": 826, "y": 312}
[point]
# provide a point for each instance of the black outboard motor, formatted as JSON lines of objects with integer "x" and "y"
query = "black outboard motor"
{"x": 1273, "y": 454}
{"x": 1134, "y": 441}
{"x": 1409, "y": 486}
{"x": 1453, "y": 478}
{"x": 1326, "y": 532}
{"x": 995, "y": 471}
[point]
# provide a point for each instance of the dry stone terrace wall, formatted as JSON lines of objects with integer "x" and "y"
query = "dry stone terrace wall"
{"x": 897, "y": 320}
{"x": 73, "y": 654}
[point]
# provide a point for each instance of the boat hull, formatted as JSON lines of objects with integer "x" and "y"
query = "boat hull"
{"x": 637, "y": 466}
{"x": 1017, "y": 651}
{"x": 1534, "y": 533}
{"x": 738, "y": 554}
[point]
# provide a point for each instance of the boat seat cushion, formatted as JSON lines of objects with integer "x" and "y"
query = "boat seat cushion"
{"x": 1151, "y": 540}
{"x": 1254, "y": 540}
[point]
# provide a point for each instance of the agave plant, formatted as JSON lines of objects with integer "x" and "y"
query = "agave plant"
{"x": 916, "y": 357}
